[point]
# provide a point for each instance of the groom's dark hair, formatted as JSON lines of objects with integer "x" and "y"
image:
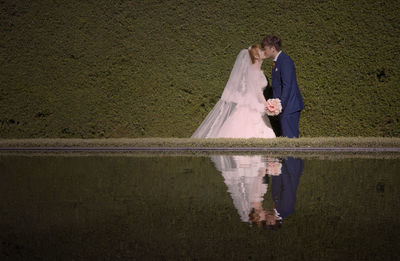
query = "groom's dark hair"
{"x": 272, "y": 40}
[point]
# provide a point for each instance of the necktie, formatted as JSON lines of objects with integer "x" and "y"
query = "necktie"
{"x": 273, "y": 65}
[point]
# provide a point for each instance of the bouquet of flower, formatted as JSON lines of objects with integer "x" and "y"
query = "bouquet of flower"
{"x": 274, "y": 107}
{"x": 274, "y": 166}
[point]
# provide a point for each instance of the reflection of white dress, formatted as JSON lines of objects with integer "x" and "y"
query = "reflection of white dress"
{"x": 243, "y": 175}
{"x": 248, "y": 119}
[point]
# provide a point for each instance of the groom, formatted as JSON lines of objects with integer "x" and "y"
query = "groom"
{"x": 284, "y": 86}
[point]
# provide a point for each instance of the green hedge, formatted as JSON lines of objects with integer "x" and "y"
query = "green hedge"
{"x": 156, "y": 68}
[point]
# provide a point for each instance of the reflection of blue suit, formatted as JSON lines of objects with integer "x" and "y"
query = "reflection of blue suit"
{"x": 284, "y": 87}
{"x": 284, "y": 186}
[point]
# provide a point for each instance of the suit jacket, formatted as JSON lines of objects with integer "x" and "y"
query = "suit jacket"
{"x": 284, "y": 85}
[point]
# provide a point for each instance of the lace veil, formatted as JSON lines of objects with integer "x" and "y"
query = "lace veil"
{"x": 233, "y": 94}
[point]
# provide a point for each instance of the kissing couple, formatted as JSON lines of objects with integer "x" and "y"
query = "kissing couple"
{"x": 242, "y": 111}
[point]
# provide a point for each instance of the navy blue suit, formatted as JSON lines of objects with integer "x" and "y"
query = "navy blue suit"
{"x": 284, "y": 186}
{"x": 284, "y": 87}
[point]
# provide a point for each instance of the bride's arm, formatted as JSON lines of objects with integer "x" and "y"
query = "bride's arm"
{"x": 261, "y": 98}
{"x": 253, "y": 83}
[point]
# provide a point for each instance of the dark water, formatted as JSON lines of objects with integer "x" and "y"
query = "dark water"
{"x": 220, "y": 207}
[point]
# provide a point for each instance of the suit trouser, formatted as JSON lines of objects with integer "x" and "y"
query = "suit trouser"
{"x": 290, "y": 124}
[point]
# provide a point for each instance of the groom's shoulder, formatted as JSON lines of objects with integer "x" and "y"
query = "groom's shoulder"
{"x": 286, "y": 58}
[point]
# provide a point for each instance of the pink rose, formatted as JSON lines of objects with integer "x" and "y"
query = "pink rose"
{"x": 273, "y": 107}
{"x": 274, "y": 168}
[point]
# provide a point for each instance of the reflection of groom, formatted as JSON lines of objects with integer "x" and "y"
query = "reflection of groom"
{"x": 284, "y": 186}
{"x": 284, "y": 86}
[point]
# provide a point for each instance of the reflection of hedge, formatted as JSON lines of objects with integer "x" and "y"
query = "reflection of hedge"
{"x": 147, "y": 68}
{"x": 179, "y": 208}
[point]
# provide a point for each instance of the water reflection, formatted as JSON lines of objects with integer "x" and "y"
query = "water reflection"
{"x": 131, "y": 207}
{"x": 250, "y": 177}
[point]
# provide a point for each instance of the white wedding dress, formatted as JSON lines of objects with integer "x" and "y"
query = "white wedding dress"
{"x": 240, "y": 113}
{"x": 243, "y": 176}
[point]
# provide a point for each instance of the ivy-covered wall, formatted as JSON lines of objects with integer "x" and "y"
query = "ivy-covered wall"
{"x": 151, "y": 68}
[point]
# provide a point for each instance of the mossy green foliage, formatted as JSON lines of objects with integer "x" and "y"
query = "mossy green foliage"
{"x": 174, "y": 208}
{"x": 188, "y": 143}
{"x": 151, "y": 68}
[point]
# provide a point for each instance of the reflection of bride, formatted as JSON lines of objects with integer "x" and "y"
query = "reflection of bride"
{"x": 240, "y": 113}
{"x": 244, "y": 175}
{"x": 247, "y": 179}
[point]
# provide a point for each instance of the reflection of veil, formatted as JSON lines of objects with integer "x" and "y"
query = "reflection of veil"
{"x": 243, "y": 175}
{"x": 232, "y": 95}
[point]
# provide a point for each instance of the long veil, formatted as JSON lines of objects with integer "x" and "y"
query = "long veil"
{"x": 232, "y": 95}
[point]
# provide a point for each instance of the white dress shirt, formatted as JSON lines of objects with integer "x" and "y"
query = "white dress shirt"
{"x": 276, "y": 57}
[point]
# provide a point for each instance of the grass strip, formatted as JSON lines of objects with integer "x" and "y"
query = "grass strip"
{"x": 306, "y": 142}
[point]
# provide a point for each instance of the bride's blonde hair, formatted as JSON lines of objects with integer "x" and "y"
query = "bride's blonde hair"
{"x": 254, "y": 54}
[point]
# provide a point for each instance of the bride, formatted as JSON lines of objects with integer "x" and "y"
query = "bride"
{"x": 240, "y": 113}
